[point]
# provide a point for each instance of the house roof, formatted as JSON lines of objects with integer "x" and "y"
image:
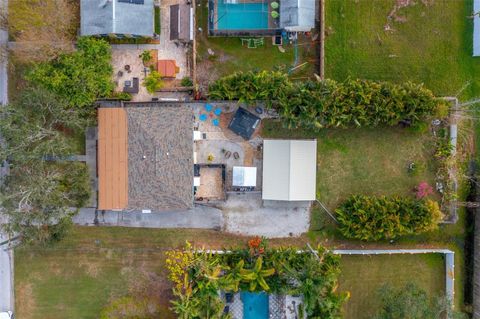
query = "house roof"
{"x": 101, "y": 17}
{"x": 112, "y": 159}
{"x": 297, "y": 15}
{"x": 181, "y": 25}
{"x": 160, "y": 157}
{"x": 289, "y": 170}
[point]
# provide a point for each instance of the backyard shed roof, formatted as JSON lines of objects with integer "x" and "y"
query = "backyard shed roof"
{"x": 297, "y": 15}
{"x": 244, "y": 176}
{"x": 244, "y": 123}
{"x": 112, "y": 159}
{"x": 289, "y": 170}
{"x": 129, "y": 17}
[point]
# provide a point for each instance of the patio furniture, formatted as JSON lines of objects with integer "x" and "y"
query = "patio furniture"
{"x": 228, "y": 154}
{"x": 131, "y": 86}
{"x": 215, "y": 122}
{"x": 236, "y": 155}
{"x": 203, "y": 117}
{"x": 217, "y": 111}
{"x": 127, "y": 68}
{"x": 208, "y": 107}
{"x": 229, "y": 297}
{"x": 167, "y": 68}
{"x": 120, "y": 73}
{"x": 259, "y": 110}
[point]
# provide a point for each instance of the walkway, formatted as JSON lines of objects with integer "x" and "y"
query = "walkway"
{"x": 200, "y": 217}
{"x": 6, "y": 277}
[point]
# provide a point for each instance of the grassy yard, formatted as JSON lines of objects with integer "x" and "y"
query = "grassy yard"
{"x": 92, "y": 267}
{"x": 78, "y": 277}
{"x": 365, "y": 161}
{"x": 430, "y": 44}
{"x": 231, "y": 56}
{"x": 364, "y": 275}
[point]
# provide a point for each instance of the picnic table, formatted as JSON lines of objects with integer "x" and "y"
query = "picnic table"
{"x": 167, "y": 68}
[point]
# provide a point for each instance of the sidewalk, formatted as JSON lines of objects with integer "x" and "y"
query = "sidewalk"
{"x": 201, "y": 217}
{"x": 6, "y": 277}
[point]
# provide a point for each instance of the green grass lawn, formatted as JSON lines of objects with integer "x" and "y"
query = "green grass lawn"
{"x": 364, "y": 275}
{"x": 365, "y": 161}
{"x": 79, "y": 276}
{"x": 93, "y": 266}
{"x": 433, "y": 45}
{"x": 231, "y": 56}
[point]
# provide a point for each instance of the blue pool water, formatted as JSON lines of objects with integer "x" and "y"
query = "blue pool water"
{"x": 242, "y": 16}
{"x": 255, "y": 305}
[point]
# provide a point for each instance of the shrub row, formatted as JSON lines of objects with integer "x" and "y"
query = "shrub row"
{"x": 375, "y": 218}
{"x": 329, "y": 103}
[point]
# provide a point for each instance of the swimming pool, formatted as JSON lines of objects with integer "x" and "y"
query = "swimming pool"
{"x": 255, "y": 305}
{"x": 242, "y": 16}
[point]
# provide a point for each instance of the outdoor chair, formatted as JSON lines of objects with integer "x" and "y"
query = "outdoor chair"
{"x": 228, "y": 154}
{"x": 236, "y": 155}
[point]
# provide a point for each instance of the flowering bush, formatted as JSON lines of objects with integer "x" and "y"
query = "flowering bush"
{"x": 423, "y": 190}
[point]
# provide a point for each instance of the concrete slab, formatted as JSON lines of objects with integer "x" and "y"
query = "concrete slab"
{"x": 199, "y": 217}
{"x": 246, "y": 214}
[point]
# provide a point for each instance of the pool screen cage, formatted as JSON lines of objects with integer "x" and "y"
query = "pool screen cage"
{"x": 243, "y": 18}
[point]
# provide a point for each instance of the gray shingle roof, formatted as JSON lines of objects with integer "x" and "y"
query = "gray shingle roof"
{"x": 160, "y": 157}
{"x": 111, "y": 16}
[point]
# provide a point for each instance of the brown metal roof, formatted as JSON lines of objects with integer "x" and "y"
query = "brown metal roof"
{"x": 112, "y": 159}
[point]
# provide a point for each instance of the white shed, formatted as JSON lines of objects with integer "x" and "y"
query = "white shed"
{"x": 297, "y": 15}
{"x": 289, "y": 170}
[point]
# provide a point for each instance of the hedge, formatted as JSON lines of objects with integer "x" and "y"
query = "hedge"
{"x": 373, "y": 218}
{"x": 328, "y": 103}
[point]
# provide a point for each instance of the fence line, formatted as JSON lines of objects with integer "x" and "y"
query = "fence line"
{"x": 449, "y": 262}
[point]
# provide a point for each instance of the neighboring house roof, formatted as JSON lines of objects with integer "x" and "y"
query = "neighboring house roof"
{"x": 160, "y": 157}
{"x": 297, "y": 15}
{"x": 112, "y": 159}
{"x": 181, "y": 22}
{"x": 289, "y": 170}
{"x": 131, "y": 17}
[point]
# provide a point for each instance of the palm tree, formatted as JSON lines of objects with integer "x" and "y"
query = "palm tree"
{"x": 256, "y": 276}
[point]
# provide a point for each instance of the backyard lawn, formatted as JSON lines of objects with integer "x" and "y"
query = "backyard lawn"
{"x": 231, "y": 56}
{"x": 79, "y": 276}
{"x": 364, "y": 275}
{"x": 428, "y": 43}
{"x": 94, "y": 266}
{"x": 365, "y": 161}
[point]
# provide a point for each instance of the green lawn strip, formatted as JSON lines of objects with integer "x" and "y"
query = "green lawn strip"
{"x": 433, "y": 45}
{"x": 362, "y": 276}
{"x": 365, "y": 161}
{"x": 157, "y": 20}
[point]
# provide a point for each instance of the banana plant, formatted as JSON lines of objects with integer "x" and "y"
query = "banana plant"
{"x": 256, "y": 276}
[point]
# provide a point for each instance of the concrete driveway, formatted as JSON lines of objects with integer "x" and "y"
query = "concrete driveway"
{"x": 6, "y": 277}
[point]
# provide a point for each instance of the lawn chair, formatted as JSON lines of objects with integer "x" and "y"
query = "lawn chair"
{"x": 245, "y": 41}
{"x": 258, "y": 42}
